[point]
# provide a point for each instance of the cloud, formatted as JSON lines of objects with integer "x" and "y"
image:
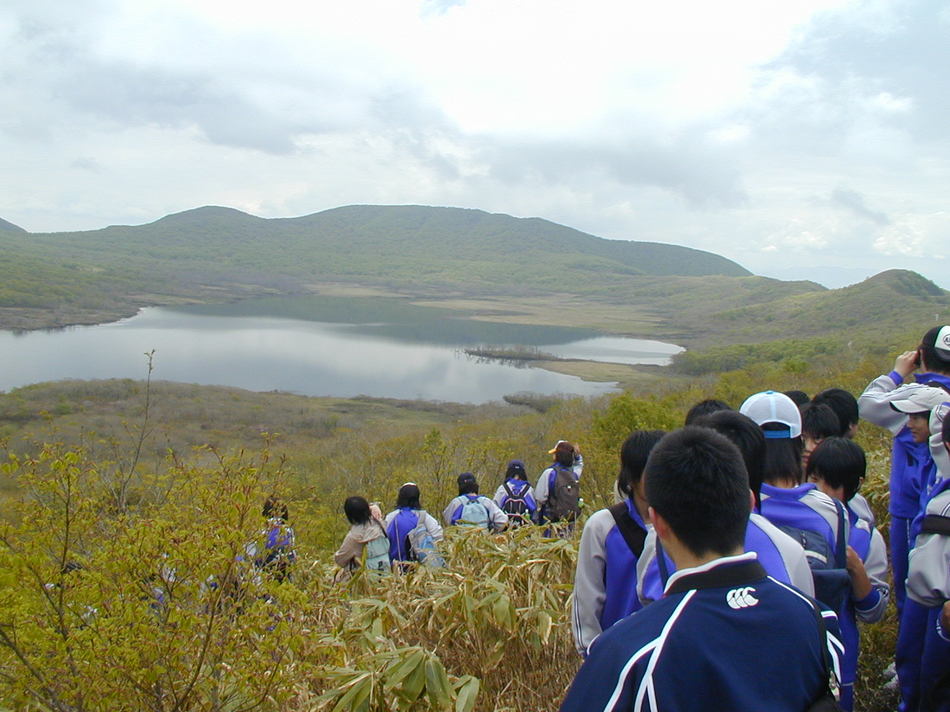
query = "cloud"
{"x": 854, "y": 201}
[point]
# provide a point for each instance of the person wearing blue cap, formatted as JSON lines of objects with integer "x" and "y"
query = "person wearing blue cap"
{"x": 516, "y": 497}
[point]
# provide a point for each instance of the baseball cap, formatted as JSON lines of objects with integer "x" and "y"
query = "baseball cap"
{"x": 466, "y": 478}
{"x": 919, "y": 398}
{"x": 515, "y": 468}
{"x": 773, "y": 407}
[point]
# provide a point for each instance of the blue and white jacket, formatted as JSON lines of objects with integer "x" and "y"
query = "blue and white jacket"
{"x": 869, "y": 545}
{"x": 912, "y": 469}
{"x": 781, "y": 556}
{"x": 605, "y": 581}
{"x": 803, "y": 507}
{"x": 724, "y": 637}
{"x": 519, "y": 488}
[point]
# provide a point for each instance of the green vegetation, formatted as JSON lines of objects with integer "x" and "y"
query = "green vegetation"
{"x": 84, "y": 628}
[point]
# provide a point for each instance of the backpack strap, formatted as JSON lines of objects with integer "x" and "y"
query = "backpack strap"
{"x": 841, "y": 546}
{"x": 632, "y": 533}
{"x": 936, "y": 524}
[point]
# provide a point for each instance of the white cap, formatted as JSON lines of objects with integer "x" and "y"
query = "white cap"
{"x": 774, "y": 407}
{"x": 942, "y": 341}
{"x": 918, "y": 398}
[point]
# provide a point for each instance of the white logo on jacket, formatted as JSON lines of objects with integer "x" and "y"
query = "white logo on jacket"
{"x": 741, "y": 598}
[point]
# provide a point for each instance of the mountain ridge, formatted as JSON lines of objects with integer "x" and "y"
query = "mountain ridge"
{"x": 492, "y": 264}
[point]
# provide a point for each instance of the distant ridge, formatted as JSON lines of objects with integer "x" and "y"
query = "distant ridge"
{"x": 10, "y": 227}
{"x": 493, "y": 265}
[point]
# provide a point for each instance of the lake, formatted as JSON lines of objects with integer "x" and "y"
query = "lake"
{"x": 321, "y": 346}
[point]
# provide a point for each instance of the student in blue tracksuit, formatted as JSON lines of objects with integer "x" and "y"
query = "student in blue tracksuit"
{"x": 918, "y": 403}
{"x": 472, "y": 509}
{"x": 837, "y": 466}
{"x": 407, "y": 515}
{"x": 797, "y": 508}
{"x": 781, "y": 556}
{"x": 910, "y": 460}
{"x": 605, "y": 581}
{"x": 928, "y": 575}
{"x": 516, "y": 497}
{"x": 725, "y": 636}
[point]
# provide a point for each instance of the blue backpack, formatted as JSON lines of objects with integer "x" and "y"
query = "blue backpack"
{"x": 409, "y": 540}
{"x": 472, "y": 513}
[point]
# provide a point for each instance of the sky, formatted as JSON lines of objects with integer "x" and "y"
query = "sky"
{"x": 804, "y": 140}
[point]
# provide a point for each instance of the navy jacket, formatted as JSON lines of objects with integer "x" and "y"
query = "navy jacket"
{"x": 724, "y": 637}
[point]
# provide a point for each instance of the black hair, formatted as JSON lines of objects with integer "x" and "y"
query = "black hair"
{"x": 274, "y": 508}
{"x": 743, "y": 432}
{"x": 564, "y": 454}
{"x": 930, "y": 358}
{"x": 800, "y": 398}
{"x": 705, "y": 407}
{"x": 840, "y": 462}
{"x": 819, "y": 421}
{"x": 467, "y": 483}
{"x": 783, "y": 456}
{"x": 356, "y": 510}
{"x": 633, "y": 458}
{"x": 408, "y": 496}
{"x": 843, "y": 404}
{"x": 696, "y": 480}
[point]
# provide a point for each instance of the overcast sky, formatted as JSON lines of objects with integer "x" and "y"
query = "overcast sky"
{"x": 805, "y": 140}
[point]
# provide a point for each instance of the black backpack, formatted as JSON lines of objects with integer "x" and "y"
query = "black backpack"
{"x": 563, "y": 496}
{"x": 515, "y": 506}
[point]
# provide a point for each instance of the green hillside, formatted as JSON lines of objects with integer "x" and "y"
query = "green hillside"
{"x": 521, "y": 270}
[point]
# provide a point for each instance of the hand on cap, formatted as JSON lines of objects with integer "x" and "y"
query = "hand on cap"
{"x": 906, "y": 363}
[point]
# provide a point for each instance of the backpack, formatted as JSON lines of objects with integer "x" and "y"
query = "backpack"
{"x": 472, "y": 513}
{"x": 376, "y": 553}
{"x": 828, "y": 568}
{"x": 278, "y": 552}
{"x": 564, "y": 495}
{"x": 516, "y": 506}
{"x": 409, "y": 540}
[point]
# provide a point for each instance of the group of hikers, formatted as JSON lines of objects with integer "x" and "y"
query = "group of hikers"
{"x": 740, "y": 555}
{"x": 410, "y": 534}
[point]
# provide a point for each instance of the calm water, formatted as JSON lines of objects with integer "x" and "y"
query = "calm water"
{"x": 316, "y": 346}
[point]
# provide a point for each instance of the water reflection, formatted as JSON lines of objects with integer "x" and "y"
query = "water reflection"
{"x": 263, "y": 352}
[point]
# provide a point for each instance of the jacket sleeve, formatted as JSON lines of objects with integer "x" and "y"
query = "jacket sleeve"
{"x": 589, "y": 583}
{"x": 432, "y": 526}
{"x": 578, "y": 465}
{"x": 498, "y": 519}
{"x": 350, "y": 551}
{"x": 928, "y": 568}
{"x": 541, "y": 491}
{"x": 873, "y": 607}
{"x": 500, "y": 495}
{"x": 874, "y": 405}
{"x": 448, "y": 512}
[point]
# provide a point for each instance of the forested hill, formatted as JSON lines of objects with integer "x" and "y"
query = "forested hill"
{"x": 386, "y": 240}
{"x": 531, "y": 269}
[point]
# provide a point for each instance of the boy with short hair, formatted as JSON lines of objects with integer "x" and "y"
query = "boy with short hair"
{"x": 782, "y": 557}
{"x": 725, "y": 636}
{"x": 837, "y": 466}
